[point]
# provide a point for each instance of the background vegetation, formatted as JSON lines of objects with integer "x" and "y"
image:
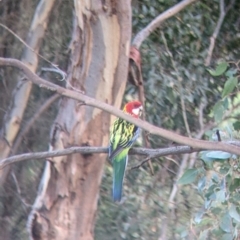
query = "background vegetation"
{"x": 182, "y": 95}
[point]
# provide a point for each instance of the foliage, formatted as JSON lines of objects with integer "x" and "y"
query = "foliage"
{"x": 218, "y": 182}
{"x": 176, "y": 81}
{"x": 173, "y": 70}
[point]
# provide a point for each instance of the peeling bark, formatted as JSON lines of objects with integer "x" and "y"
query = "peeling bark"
{"x": 66, "y": 205}
{"x": 14, "y": 115}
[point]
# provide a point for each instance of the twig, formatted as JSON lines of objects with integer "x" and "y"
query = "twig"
{"x": 27, "y": 46}
{"x": 175, "y": 185}
{"x": 32, "y": 120}
{"x": 202, "y": 106}
{"x": 213, "y": 38}
{"x": 191, "y": 157}
{"x": 59, "y": 71}
{"x": 145, "y": 32}
{"x": 165, "y": 152}
{"x": 25, "y": 204}
{"x": 172, "y": 136}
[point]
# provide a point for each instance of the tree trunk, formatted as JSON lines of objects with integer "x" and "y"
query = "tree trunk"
{"x": 14, "y": 115}
{"x": 66, "y": 205}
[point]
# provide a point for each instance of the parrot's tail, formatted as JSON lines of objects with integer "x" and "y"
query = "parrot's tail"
{"x": 119, "y": 166}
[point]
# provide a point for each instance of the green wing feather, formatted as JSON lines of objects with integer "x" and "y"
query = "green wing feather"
{"x": 123, "y": 135}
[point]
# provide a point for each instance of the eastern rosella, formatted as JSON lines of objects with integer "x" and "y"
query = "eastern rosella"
{"x": 123, "y": 135}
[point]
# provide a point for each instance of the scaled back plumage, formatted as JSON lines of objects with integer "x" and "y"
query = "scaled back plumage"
{"x": 123, "y": 135}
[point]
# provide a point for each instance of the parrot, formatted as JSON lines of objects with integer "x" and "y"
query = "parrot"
{"x": 123, "y": 135}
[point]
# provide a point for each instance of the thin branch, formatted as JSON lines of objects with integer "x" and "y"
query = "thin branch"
{"x": 23, "y": 201}
{"x": 176, "y": 185}
{"x": 165, "y": 152}
{"x": 29, "y": 47}
{"x": 192, "y": 156}
{"x": 89, "y": 150}
{"x": 32, "y": 120}
{"x": 145, "y": 32}
{"x": 213, "y": 38}
{"x": 202, "y": 106}
{"x": 172, "y": 136}
{"x": 20, "y": 39}
{"x": 59, "y": 71}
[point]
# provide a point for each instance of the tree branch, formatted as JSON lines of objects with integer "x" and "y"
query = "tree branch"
{"x": 194, "y": 143}
{"x": 32, "y": 120}
{"x": 91, "y": 150}
{"x": 32, "y": 49}
{"x": 151, "y": 153}
{"x": 213, "y": 38}
{"x": 145, "y": 32}
{"x": 166, "y": 151}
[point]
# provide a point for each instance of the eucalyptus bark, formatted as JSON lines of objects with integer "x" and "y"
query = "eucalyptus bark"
{"x": 66, "y": 205}
{"x": 13, "y": 117}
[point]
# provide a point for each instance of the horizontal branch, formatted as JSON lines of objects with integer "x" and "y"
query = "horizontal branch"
{"x": 151, "y": 153}
{"x": 172, "y": 136}
{"x": 91, "y": 150}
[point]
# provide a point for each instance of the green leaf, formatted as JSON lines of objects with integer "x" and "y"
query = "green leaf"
{"x": 198, "y": 216}
{"x": 201, "y": 184}
{"x": 231, "y": 72}
{"x": 218, "y": 155}
{"x": 225, "y": 103}
{"x": 234, "y": 213}
{"x": 226, "y": 223}
{"x": 204, "y": 235}
{"x": 189, "y": 176}
{"x": 236, "y": 125}
{"x": 229, "y": 85}
{"x": 214, "y": 177}
{"x": 135, "y": 235}
{"x": 227, "y": 236}
{"x": 205, "y": 222}
{"x": 221, "y": 196}
{"x": 218, "y": 111}
{"x": 208, "y": 161}
{"x": 235, "y": 184}
{"x": 216, "y": 210}
{"x": 220, "y": 69}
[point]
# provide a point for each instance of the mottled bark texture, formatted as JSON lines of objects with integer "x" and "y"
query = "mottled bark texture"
{"x": 66, "y": 205}
{"x": 20, "y": 96}
{"x": 14, "y": 115}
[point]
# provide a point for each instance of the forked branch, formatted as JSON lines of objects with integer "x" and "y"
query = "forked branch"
{"x": 195, "y": 144}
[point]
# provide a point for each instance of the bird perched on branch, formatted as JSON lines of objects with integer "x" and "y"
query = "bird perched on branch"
{"x": 123, "y": 135}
